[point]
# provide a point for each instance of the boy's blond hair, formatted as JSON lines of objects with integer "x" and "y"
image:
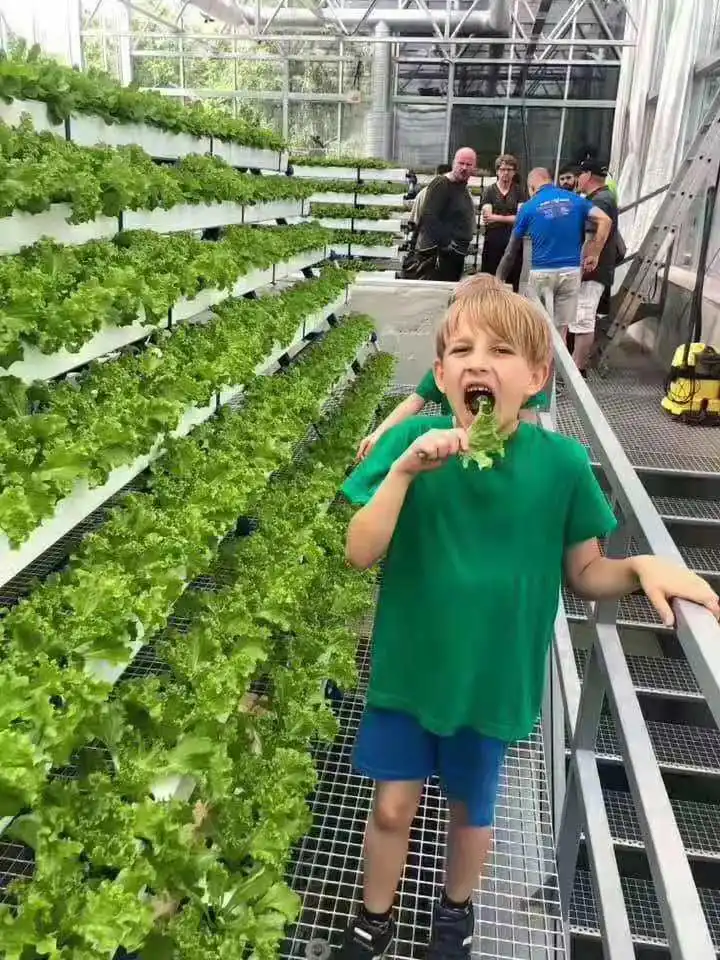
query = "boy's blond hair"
{"x": 507, "y": 315}
{"x": 478, "y": 283}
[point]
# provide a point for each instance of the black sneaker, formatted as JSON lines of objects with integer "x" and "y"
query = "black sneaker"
{"x": 365, "y": 940}
{"x": 452, "y": 933}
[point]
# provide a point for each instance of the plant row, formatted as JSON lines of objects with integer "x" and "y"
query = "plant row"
{"x": 54, "y": 434}
{"x": 368, "y": 187}
{"x": 346, "y": 211}
{"x": 28, "y": 75}
{"x": 54, "y": 296}
{"x": 364, "y": 238}
{"x": 367, "y": 163}
{"x": 205, "y": 880}
{"x": 129, "y": 573}
{"x": 39, "y": 169}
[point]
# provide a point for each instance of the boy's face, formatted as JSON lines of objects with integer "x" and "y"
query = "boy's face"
{"x": 476, "y": 360}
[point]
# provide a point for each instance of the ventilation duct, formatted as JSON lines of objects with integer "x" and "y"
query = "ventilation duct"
{"x": 492, "y": 22}
{"x": 378, "y": 121}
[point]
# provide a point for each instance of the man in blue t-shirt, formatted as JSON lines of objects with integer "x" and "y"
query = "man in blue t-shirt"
{"x": 555, "y": 220}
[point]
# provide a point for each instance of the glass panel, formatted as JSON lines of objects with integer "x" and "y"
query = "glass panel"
{"x": 478, "y": 127}
{"x": 313, "y": 125}
{"x": 532, "y": 136}
{"x": 357, "y": 66}
{"x": 157, "y": 71}
{"x": 269, "y": 113}
{"x": 483, "y": 79}
{"x": 353, "y": 128}
{"x": 598, "y": 82}
{"x": 420, "y": 135}
{"x": 204, "y": 73}
{"x": 314, "y": 76}
{"x": 422, "y": 79}
{"x": 587, "y": 130}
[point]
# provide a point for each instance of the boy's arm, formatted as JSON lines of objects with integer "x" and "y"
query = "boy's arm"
{"x": 409, "y": 407}
{"x": 595, "y": 577}
{"x": 371, "y": 529}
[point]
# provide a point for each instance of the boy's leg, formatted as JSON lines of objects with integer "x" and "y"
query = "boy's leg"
{"x": 467, "y": 852}
{"x": 386, "y": 842}
{"x": 394, "y": 751}
{"x": 470, "y": 771}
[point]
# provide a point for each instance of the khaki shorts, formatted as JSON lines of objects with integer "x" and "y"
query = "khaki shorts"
{"x": 588, "y": 302}
{"x": 557, "y": 291}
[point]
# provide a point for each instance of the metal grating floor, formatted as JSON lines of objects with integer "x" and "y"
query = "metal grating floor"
{"x": 688, "y": 508}
{"x": 699, "y": 824}
{"x": 664, "y": 676}
{"x": 517, "y": 916}
{"x": 633, "y": 611}
{"x": 678, "y": 747}
{"x": 643, "y": 910}
{"x": 630, "y": 398}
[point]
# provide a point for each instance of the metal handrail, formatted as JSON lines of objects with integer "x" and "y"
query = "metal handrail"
{"x": 607, "y": 674}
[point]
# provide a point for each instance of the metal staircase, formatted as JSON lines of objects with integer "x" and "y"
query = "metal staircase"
{"x": 644, "y": 289}
{"x": 667, "y": 670}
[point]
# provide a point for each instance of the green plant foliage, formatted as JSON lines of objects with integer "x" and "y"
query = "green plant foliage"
{"x": 39, "y": 169}
{"x": 368, "y": 163}
{"x": 345, "y": 211}
{"x": 54, "y": 296}
{"x": 28, "y": 75}
{"x": 132, "y": 570}
{"x": 366, "y": 238}
{"x": 114, "y": 867}
{"x": 54, "y": 434}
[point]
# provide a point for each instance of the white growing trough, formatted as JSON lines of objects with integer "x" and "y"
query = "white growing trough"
{"x": 23, "y": 229}
{"x": 89, "y": 131}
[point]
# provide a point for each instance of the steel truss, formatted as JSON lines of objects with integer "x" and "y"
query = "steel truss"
{"x": 518, "y": 56}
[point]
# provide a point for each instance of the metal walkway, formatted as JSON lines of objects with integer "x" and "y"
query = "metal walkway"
{"x": 517, "y": 910}
{"x": 629, "y": 396}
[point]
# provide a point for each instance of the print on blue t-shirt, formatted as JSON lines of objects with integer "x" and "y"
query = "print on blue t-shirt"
{"x": 555, "y": 220}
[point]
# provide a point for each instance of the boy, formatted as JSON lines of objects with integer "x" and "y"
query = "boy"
{"x": 473, "y": 565}
{"x": 427, "y": 392}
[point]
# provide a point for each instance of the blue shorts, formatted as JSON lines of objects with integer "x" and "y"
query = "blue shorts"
{"x": 392, "y": 746}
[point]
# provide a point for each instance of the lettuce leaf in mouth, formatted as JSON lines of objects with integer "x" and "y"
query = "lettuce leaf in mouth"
{"x": 486, "y": 439}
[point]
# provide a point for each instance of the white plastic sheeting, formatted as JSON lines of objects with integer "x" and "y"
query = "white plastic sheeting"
{"x": 54, "y": 24}
{"x": 646, "y": 163}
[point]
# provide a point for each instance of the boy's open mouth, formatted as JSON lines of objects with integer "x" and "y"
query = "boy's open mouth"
{"x": 477, "y": 397}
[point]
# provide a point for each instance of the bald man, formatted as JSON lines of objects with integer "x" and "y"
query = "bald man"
{"x": 555, "y": 220}
{"x": 447, "y": 220}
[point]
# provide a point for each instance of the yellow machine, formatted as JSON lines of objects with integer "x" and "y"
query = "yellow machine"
{"x": 693, "y": 387}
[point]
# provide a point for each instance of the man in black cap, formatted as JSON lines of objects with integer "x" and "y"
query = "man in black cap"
{"x": 591, "y": 183}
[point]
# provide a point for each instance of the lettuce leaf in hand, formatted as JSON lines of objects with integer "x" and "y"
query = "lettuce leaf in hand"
{"x": 486, "y": 440}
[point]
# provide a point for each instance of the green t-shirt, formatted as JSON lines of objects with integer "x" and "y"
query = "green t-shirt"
{"x": 472, "y": 575}
{"x": 428, "y": 390}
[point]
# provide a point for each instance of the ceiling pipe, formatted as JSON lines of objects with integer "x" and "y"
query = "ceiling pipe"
{"x": 493, "y": 22}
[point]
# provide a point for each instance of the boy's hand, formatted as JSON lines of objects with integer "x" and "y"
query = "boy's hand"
{"x": 431, "y": 451}
{"x": 663, "y": 581}
{"x": 366, "y": 445}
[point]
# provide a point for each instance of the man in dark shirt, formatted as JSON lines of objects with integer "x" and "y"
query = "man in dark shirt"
{"x": 500, "y": 203}
{"x": 447, "y": 220}
{"x": 591, "y": 182}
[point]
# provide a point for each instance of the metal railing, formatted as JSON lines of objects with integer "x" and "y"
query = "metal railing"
{"x": 572, "y": 714}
